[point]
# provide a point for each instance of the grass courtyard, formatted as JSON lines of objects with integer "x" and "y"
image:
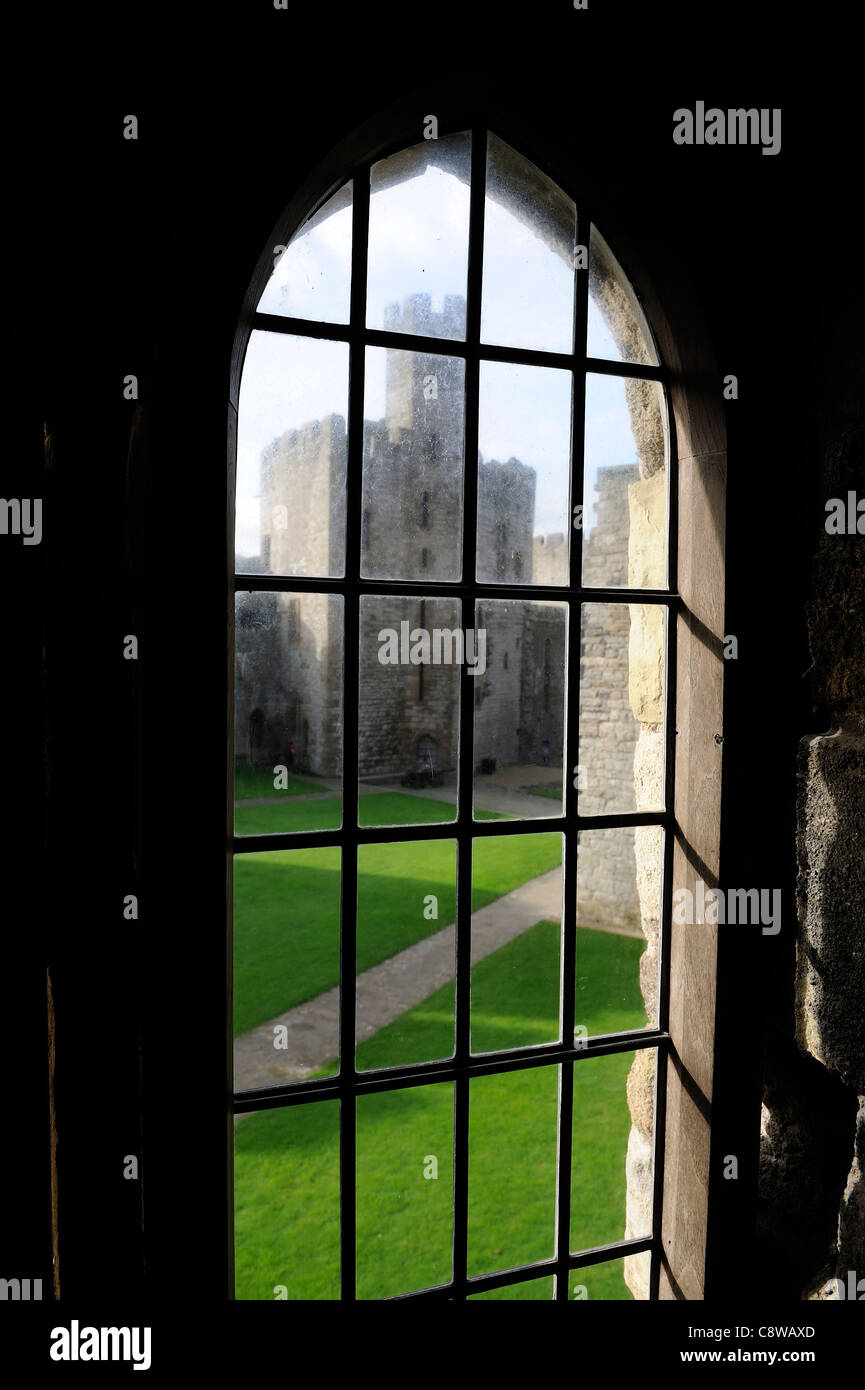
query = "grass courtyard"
{"x": 286, "y": 913}
{"x": 286, "y": 1165}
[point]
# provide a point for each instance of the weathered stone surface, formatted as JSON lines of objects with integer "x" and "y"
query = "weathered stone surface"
{"x": 851, "y": 1218}
{"x": 647, "y": 554}
{"x": 649, "y": 768}
{"x": 646, "y": 662}
{"x": 836, "y": 609}
{"x": 830, "y": 955}
{"x": 638, "y": 1219}
{"x": 812, "y": 1148}
{"x": 641, "y": 1092}
{"x": 647, "y": 502}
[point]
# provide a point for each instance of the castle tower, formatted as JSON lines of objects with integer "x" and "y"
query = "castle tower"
{"x": 412, "y": 528}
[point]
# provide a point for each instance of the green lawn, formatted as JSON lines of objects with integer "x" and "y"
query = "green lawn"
{"x": 374, "y": 808}
{"x": 286, "y": 1169}
{"x": 258, "y": 781}
{"x": 286, "y": 908}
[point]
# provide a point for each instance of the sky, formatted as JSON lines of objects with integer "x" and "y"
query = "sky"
{"x": 417, "y": 244}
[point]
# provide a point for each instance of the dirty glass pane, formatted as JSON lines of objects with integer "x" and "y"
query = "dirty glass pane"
{"x": 288, "y": 651}
{"x": 519, "y": 704}
{"x": 529, "y": 241}
{"x": 411, "y": 649}
{"x": 524, "y": 444}
{"x": 406, "y": 910}
{"x": 286, "y": 966}
{"x": 619, "y": 877}
{"x": 291, "y": 456}
{"x": 311, "y": 277}
{"x": 419, "y": 238}
{"x": 617, "y": 327}
{"x": 411, "y": 524}
{"x": 626, "y": 479}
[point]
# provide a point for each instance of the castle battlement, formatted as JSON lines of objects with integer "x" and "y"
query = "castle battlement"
{"x": 416, "y": 315}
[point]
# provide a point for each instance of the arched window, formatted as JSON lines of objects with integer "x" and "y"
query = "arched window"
{"x": 405, "y": 1058}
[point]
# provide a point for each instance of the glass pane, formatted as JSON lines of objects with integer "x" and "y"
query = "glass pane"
{"x": 406, "y": 909}
{"x": 622, "y": 686}
{"x": 512, "y": 1168}
{"x": 524, "y": 469}
{"x": 625, "y": 517}
{"x": 286, "y": 966}
{"x": 291, "y": 457}
{"x": 312, "y": 275}
{"x": 288, "y": 651}
{"x": 404, "y": 1190}
{"x": 611, "y": 1281}
{"x": 516, "y": 941}
{"x": 408, "y": 738}
{"x": 611, "y": 1176}
{"x": 419, "y": 239}
{"x": 412, "y": 466}
{"x": 519, "y": 708}
{"x": 534, "y": 1290}
{"x": 286, "y": 1203}
{"x": 617, "y": 328}
{"x": 529, "y": 242}
{"x": 619, "y": 875}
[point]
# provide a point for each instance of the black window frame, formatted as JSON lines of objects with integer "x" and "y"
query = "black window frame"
{"x": 349, "y": 1084}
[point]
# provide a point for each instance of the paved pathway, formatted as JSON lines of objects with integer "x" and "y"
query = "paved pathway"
{"x": 389, "y": 988}
{"x": 497, "y": 793}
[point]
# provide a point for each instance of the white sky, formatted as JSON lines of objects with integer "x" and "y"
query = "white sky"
{"x": 418, "y": 235}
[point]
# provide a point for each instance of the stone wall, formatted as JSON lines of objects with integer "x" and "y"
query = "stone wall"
{"x": 645, "y": 524}
{"x": 400, "y": 705}
{"x": 303, "y": 500}
{"x": 812, "y": 1161}
{"x": 288, "y": 680}
{"x": 608, "y": 729}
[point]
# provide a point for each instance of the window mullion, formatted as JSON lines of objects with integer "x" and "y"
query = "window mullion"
{"x": 571, "y": 744}
{"x": 351, "y": 680}
{"x": 663, "y": 1016}
{"x": 462, "y": 1000}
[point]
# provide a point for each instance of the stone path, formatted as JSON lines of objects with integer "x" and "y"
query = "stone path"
{"x": 500, "y": 792}
{"x": 389, "y": 988}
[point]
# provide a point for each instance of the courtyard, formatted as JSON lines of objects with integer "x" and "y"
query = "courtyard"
{"x": 286, "y": 974}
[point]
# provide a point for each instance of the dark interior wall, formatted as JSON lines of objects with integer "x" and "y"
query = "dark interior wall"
{"x": 133, "y": 257}
{"x": 811, "y": 1211}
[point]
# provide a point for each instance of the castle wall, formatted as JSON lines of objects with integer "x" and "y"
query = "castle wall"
{"x": 543, "y": 672}
{"x": 497, "y": 693}
{"x": 288, "y": 680}
{"x": 303, "y": 500}
{"x": 399, "y": 705}
{"x": 608, "y": 729}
